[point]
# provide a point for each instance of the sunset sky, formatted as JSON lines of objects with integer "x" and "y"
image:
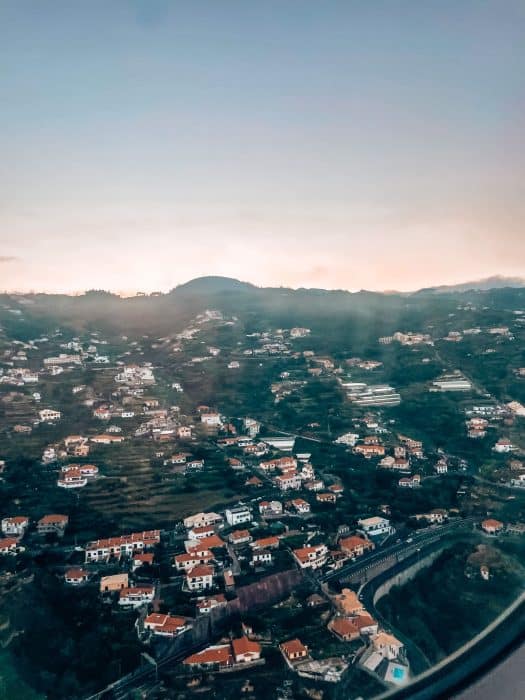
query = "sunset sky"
{"x": 373, "y": 144}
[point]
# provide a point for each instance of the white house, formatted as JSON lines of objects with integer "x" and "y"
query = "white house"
{"x": 288, "y": 482}
{"x": 48, "y": 415}
{"x": 72, "y": 479}
{"x": 301, "y": 506}
{"x": 200, "y": 578}
{"x": 238, "y": 515}
{"x": 311, "y": 557}
{"x": 124, "y": 545}
{"x": 76, "y": 577}
{"x": 261, "y": 557}
{"x": 202, "y": 519}
{"x": 441, "y": 467}
{"x": 136, "y": 596}
{"x": 9, "y": 545}
{"x": 270, "y": 508}
{"x": 15, "y": 526}
{"x": 376, "y": 526}
{"x": 503, "y": 446}
{"x": 165, "y": 625}
{"x": 212, "y": 419}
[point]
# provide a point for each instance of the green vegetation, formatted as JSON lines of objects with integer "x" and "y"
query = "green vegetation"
{"x": 446, "y": 605}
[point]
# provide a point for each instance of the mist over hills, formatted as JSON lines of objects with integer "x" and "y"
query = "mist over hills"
{"x": 493, "y": 282}
{"x": 25, "y": 316}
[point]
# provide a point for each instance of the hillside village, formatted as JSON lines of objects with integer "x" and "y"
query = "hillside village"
{"x": 180, "y": 482}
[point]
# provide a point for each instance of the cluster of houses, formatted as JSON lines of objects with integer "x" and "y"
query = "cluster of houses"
{"x": 238, "y": 653}
{"x": 15, "y": 527}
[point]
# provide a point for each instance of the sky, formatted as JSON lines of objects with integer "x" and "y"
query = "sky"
{"x": 336, "y": 144}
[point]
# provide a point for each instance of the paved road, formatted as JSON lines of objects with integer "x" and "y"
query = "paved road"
{"x": 505, "y": 682}
{"x": 396, "y": 552}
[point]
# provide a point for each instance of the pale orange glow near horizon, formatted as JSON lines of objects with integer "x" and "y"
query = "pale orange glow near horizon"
{"x": 285, "y": 144}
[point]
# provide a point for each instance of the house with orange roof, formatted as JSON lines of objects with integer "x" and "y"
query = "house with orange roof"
{"x": 293, "y": 651}
{"x": 124, "y": 545}
{"x": 52, "y": 524}
{"x": 199, "y": 578}
{"x": 202, "y": 519}
{"x": 211, "y": 542}
{"x": 289, "y": 481}
{"x": 301, "y": 506}
{"x": 348, "y": 603}
{"x": 245, "y": 650}
{"x": 326, "y": 497}
{"x": 186, "y": 562}
{"x": 344, "y": 629}
{"x": 76, "y": 577}
{"x": 366, "y": 624}
{"x": 369, "y": 451}
{"x": 166, "y": 625}
{"x": 9, "y": 545}
{"x": 492, "y": 527}
{"x": 214, "y": 657}
{"x": 281, "y": 463}
{"x": 107, "y": 439}
{"x": 271, "y": 542}
{"x": 135, "y": 596}
{"x": 204, "y": 605}
{"x": 72, "y": 478}
{"x": 240, "y": 537}
{"x": 355, "y": 546}
{"x": 311, "y": 556}
{"x": 200, "y": 532}
{"x": 270, "y": 508}
{"x": 141, "y": 558}
{"x": 15, "y": 526}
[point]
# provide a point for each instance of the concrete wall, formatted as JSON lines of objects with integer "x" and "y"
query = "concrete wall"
{"x": 262, "y": 593}
{"x": 402, "y": 577}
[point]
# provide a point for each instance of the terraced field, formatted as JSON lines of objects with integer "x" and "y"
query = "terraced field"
{"x": 140, "y": 495}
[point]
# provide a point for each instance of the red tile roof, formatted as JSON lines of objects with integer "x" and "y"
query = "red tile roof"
{"x": 213, "y": 655}
{"x": 293, "y": 646}
{"x": 243, "y": 645}
{"x": 53, "y": 518}
{"x": 200, "y": 570}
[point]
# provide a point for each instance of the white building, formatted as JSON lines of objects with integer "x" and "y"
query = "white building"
{"x": 200, "y": 578}
{"x": 261, "y": 558}
{"x": 503, "y": 446}
{"x": 311, "y": 557}
{"x": 287, "y": 482}
{"x": 452, "y": 382}
{"x": 376, "y": 526}
{"x": 125, "y": 545}
{"x": 15, "y": 526}
{"x": 48, "y": 415}
{"x": 72, "y": 479}
{"x": 136, "y": 596}
{"x": 165, "y": 625}
{"x": 202, "y": 519}
{"x": 238, "y": 515}
{"x": 441, "y": 467}
{"x": 349, "y": 439}
{"x": 211, "y": 419}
